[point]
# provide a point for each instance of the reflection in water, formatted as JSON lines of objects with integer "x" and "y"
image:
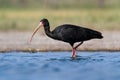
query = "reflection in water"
{"x": 60, "y": 66}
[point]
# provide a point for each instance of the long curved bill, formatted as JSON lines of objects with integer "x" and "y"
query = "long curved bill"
{"x": 36, "y": 29}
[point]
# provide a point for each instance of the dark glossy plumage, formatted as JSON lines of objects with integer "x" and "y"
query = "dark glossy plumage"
{"x": 70, "y": 33}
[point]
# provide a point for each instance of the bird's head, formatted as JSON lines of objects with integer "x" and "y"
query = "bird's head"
{"x": 43, "y": 22}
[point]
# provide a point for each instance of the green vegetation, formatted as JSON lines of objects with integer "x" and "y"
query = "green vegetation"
{"x": 27, "y": 19}
{"x": 55, "y": 4}
{"x": 26, "y": 14}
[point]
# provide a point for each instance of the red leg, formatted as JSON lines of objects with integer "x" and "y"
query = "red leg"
{"x": 73, "y": 52}
{"x": 78, "y": 45}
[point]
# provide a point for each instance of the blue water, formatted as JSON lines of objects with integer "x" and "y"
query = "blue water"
{"x": 60, "y": 66}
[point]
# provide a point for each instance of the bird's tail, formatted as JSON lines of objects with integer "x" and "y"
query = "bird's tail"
{"x": 99, "y": 35}
{"x": 96, "y": 34}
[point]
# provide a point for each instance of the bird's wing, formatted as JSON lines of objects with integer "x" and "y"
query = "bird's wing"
{"x": 68, "y": 33}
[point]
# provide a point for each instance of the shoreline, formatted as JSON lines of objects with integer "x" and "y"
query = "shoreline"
{"x": 18, "y": 41}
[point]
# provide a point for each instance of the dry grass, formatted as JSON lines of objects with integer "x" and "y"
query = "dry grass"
{"x": 27, "y": 19}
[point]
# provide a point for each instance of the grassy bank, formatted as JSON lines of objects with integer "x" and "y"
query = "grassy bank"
{"x": 103, "y": 19}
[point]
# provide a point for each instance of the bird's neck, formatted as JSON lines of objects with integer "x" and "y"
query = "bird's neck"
{"x": 48, "y": 32}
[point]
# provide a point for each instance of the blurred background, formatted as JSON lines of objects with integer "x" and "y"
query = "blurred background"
{"x": 18, "y": 18}
{"x": 24, "y": 15}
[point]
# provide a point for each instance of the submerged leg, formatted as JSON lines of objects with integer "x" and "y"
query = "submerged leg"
{"x": 73, "y": 52}
{"x": 74, "y": 49}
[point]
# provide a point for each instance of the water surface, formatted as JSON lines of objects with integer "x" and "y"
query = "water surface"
{"x": 60, "y": 66}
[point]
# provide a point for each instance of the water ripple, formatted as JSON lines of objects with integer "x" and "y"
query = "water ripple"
{"x": 60, "y": 66}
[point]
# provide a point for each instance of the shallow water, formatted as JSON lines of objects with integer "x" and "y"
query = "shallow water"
{"x": 60, "y": 66}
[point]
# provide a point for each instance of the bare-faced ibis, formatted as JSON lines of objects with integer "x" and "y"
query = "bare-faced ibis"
{"x": 69, "y": 33}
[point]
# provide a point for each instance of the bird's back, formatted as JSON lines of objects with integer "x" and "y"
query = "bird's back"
{"x": 72, "y": 33}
